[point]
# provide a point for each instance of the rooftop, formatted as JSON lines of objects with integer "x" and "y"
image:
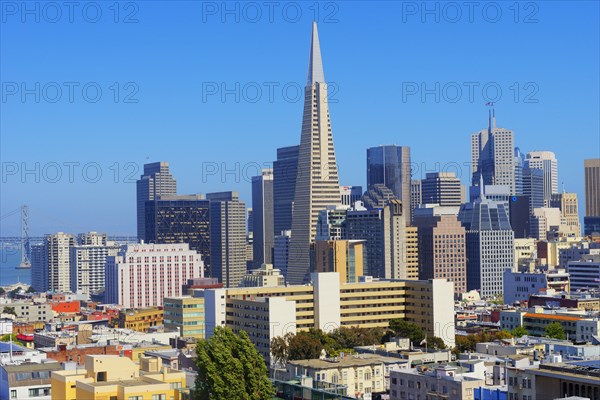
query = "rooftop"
{"x": 347, "y": 361}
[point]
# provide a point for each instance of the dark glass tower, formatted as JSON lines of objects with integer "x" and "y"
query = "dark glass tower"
{"x": 390, "y": 166}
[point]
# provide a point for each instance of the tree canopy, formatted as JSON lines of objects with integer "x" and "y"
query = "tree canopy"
{"x": 519, "y": 331}
{"x": 555, "y": 331}
{"x": 229, "y": 367}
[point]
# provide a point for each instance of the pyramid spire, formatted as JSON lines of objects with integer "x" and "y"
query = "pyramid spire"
{"x": 315, "y": 63}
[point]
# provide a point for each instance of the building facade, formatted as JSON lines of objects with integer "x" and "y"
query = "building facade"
{"x": 342, "y": 256}
{"x": 390, "y": 166}
{"x": 142, "y": 275}
{"x": 285, "y": 169}
{"x": 317, "y": 183}
{"x": 441, "y": 245}
{"x": 263, "y": 227}
{"x": 442, "y": 188}
{"x": 227, "y": 237}
{"x": 155, "y": 182}
{"x": 547, "y": 163}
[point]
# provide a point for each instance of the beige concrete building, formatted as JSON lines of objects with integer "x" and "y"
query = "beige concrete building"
{"x": 118, "y": 378}
{"x": 525, "y": 252}
{"x": 362, "y": 374}
{"x": 342, "y": 256}
{"x": 265, "y": 276}
{"x": 412, "y": 253}
{"x": 441, "y": 245}
{"x": 317, "y": 183}
{"x": 185, "y": 314}
{"x": 569, "y": 209}
{"x": 592, "y": 187}
{"x": 327, "y": 304}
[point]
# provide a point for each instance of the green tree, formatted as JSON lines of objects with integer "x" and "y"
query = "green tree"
{"x": 280, "y": 348}
{"x": 13, "y": 292}
{"x": 519, "y": 331}
{"x": 30, "y": 290}
{"x": 503, "y": 334}
{"x": 408, "y": 330}
{"x": 229, "y": 367}
{"x": 555, "y": 331}
{"x": 304, "y": 346}
{"x": 6, "y": 338}
{"x": 350, "y": 337}
{"x": 436, "y": 343}
{"x": 2, "y": 291}
{"x": 9, "y": 310}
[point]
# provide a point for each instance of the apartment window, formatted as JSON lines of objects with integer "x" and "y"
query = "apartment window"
{"x": 136, "y": 397}
{"x": 159, "y": 397}
{"x": 13, "y": 394}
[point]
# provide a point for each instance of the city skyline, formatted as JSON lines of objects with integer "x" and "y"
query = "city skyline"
{"x": 64, "y": 206}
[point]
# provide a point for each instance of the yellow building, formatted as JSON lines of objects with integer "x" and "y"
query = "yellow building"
{"x": 140, "y": 319}
{"x": 109, "y": 377}
{"x": 412, "y": 253}
{"x": 342, "y": 256}
{"x": 185, "y": 314}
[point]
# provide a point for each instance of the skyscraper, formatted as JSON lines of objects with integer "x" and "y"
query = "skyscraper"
{"x": 155, "y": 182}
{"x": 546, "y": 162}
{"x": 416, "y": 197}
{"x": 519, "y": 165}
{"x": 441, "y": 245}
{"x": 592, "y": 195}
{"x": 390, "y": 166}
{"x": 317, "y": 183}
{"x": 180, "y": 219}
{"x": 285, "y": 169}
{"x": 492, "y": 155}
{"x": 227, "y": 238}
{"x": 489, "y": 244}
{"x": 350, "y": 194}
{"x": 57, "y": 248}
{"x": 262, "y": 218}
{"x": 88, "y": 262}
{"x": 533, "y": 188}
{"x": 569, "y": 210}
{"x": 442, "y": 188}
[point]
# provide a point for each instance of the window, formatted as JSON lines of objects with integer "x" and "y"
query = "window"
{"x": 13, "y": 394}
{"x": 159, "y": 397}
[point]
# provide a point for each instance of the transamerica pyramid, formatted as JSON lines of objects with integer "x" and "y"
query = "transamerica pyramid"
{"x": 317, "y": 183}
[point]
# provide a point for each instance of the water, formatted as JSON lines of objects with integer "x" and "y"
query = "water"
{"x": 9, "y": 259}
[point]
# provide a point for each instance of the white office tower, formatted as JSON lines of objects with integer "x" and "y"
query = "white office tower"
{"x": 317, "y": 184}
{"x": 545, "y": 161}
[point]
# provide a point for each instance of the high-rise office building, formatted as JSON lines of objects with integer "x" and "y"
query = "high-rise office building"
{"x": 384, "y": 230}
{"x": 350, "y": 194}
{"x": 142, "y": 275}
{"x": 520, "y": 217}
{"x": 569, "y": 208}
{"x": 39, "y": 271}
{"x": 592, "y": 195}
{"x": 331, "y": 224}
{"x": 285, "y": 169}
{"x": 377, "y": 196}
{"x": 533, "y": 188}
{"x": 342, "y": 256}
{"x": 262, "y": 218}
{"x": 519, "y": 165}
{"x": 155, "y": 182}
{"x": 227, "y": 238}
{"x": 489, "y": 245}
{"x": 88, "y": 262}
{"x": 281, "y": 252}
{"x": 544, "y": 220}
{"x": 547, "y": 163}
{"x": 441, "y": 245}
{"x": 180, "y": 219}
{"x": 442, "y": 188}
{"x": 390, "y": 166}
{"x": 492, "y": 155}
{"x": 317, "y": 183}
{"x": 416, "y": 197}
{"x": 57, "y": 249}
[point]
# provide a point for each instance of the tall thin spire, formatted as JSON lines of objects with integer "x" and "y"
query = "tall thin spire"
{"x": 315, "y": 63}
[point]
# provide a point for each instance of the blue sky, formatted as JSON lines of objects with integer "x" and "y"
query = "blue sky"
{"x": 165, "y": 60}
